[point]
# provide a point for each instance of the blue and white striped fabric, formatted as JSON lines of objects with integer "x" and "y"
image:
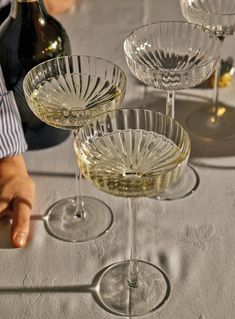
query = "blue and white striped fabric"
{"x": 12, "y": 141}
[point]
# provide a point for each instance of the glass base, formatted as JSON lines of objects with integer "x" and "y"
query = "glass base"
{"x": 62, "y": 223}
{"x": 187, "y": 184}
{"x": 116, "y": 296}
{"x": 206, "y": 124}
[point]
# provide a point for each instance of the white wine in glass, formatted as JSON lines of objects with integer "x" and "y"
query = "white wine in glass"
{"x": 130, "y": 162}
{"x": 132, "y": 153}
{"x": 80, "y": 96}
{"x": 65, "y": 92}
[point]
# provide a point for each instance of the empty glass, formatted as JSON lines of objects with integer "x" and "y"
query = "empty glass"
{"x": 173, "y": 55}
{"x": 216, "y": 121}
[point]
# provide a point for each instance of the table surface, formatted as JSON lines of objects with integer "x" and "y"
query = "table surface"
{"x": 192, "y": 239}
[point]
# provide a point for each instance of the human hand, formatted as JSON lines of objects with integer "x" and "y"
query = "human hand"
{"x": 55, "y": 7}
{"x": 17, "y": 191}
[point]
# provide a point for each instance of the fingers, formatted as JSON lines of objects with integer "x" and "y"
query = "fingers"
{"x": 4, "y": 203}
{"x": 17, "y": 197}
{"x": 21, "y": 222}
{"x": 57, "y": 7}
{"x": 5, "y": 200}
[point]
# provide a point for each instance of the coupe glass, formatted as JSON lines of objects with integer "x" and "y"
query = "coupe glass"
{"x": 132, "y": 153}
{"x": 173, "y": 55}
{"x": 216, "y": 121}
{"x": 64, "y": 92}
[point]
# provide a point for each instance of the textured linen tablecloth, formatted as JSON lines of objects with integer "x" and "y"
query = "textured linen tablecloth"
{"x": 192, "y": 239}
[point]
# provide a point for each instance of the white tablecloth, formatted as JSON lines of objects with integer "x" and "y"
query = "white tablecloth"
{"x": 192, "y": 239}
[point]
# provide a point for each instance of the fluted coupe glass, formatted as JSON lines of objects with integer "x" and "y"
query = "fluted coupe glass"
{"x": 65, "y": 92}
{"x": 173, "y": 55}
{"x": 132, "y": 153}
{"x": 216, "y": 121}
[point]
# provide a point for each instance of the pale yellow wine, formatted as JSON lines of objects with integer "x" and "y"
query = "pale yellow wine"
{"x": 130, "y": 162}
{"x": 67, "y": 101}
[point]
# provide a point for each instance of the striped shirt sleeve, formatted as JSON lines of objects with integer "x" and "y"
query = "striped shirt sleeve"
{"x": 12, "y": 141}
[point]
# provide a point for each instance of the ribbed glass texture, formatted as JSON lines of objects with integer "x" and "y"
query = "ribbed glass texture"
{"x": 65, "y": 91}
{"x": 218, "y": 15}
{"x": 172, "y": 55}
{"x": 132, "y": 152}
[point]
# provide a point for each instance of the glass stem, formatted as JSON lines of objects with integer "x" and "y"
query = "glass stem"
{"x": 80, "y": 210}
{"x": 215, "y": 97}
{"x": 170, "y": 104}
{"x": 133, "y": 280}
{"x": 216, "y": 88}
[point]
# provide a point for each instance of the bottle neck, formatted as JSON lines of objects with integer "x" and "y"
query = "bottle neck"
{"x": 27, "y": 8}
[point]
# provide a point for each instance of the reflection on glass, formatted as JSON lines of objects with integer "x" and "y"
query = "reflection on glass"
{"x": 132, "y": 153}
{"x": 217, "y": 121}
{"x": 65, "y": 92}
{"x": 171, "y": 56}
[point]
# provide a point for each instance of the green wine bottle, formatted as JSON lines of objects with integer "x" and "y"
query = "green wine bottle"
{"x": 29, "y": 36}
